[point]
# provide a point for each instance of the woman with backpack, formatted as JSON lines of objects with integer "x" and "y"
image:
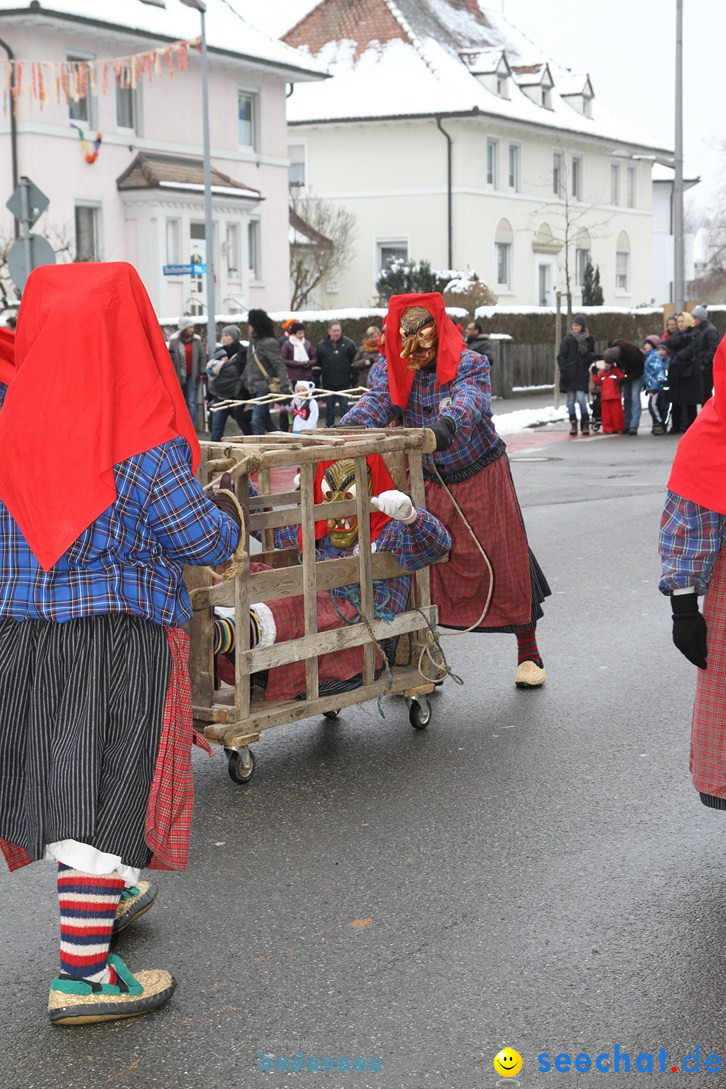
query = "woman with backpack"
{"x": 265, "y": 371}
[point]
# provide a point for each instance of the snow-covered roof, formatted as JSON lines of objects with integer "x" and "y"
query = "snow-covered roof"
{"x": 408, "y": 58}
{"x": 171, "y": 20}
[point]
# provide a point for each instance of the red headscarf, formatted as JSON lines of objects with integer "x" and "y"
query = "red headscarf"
{"x": 699, "y": 467}
{"x": 7, "y": 355}
{"x": 381, "y": 481}
{"x": 95, "y": 385}
{"x": 400, "y": 378}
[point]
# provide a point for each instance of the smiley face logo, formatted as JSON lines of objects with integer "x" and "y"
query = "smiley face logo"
{"x": 508, "y": 1062}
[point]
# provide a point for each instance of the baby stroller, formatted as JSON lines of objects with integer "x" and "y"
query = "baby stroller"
{"x": 595, "y": 403}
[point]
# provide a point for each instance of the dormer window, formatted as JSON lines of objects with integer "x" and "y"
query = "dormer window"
{"x": 547, "y": 98}
{"x": 502, "y": 85}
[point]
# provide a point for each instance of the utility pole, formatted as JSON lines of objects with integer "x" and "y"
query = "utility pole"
{"x": 679, "y": 260}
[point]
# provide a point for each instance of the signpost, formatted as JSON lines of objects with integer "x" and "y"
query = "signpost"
{"x": 195, "y": 269}
{"x": 27, "y": 204}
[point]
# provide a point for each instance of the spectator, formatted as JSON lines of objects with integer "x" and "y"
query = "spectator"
{"x": 576, "y": 354}
{"x": 265, "y": 372}
{"x": 632, "y": 362}
{"x": 684, "y": 377}
{"x": 298, "y": 354}
{"x": 705, "y": 343}
{"x": 187, "y": 353}
{"x": 671, "y": 327}
{"x": 335, "y": 355}
{"x": 609, "y": 380}
{"x": 225, "y": 372}
{"x": 303, "y": 407}
{"x": 367, "y": 355}
{"x": 477, "y": 341}
{"x": 654, "y": 377}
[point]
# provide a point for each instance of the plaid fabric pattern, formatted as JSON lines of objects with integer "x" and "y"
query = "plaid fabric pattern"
{"x": 708, "y": 725}
{"x": 466, "y": 400}
{"x": 130, "y": 559}
{"x": 419, "y": 545}
{"x": 691, "y": 538}
{"x": 171, "y": 798}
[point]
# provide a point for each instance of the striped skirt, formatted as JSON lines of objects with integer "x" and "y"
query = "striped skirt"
{"x": 81, "y": 712}
{"x": 708, "y": 725}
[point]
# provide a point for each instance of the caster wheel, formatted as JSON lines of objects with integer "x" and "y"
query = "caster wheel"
{"x": 240, "y": 765}
{"x": 331, "y": 714}
{"x": 419, "y": 714}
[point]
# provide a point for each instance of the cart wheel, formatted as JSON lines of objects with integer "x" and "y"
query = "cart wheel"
{"x": 240, "y": 765}
{"x": 419, "y": 713}
{"x": 331, "y": 714}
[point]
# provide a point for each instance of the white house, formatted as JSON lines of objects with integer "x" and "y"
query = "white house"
{"x": 453, "y": 139}
{"x": 663, "y": 240}
{"x": 141, "y": 200}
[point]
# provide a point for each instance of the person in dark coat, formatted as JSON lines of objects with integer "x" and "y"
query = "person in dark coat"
{"x": 298, "y": 354}
{"x": 367, "y": 355}
{"x": 684, "y": 376}
{"x": 477, "y": 341}
{"x": 632, "y": 363}
{"x": 335, "y": 354}
{"x": 576, "y": 354}
{"x": 187, "y": 353}
{"x": 225, "y": 382}
{"x": 264, "y": 367}
{"x": 705, "y": 342}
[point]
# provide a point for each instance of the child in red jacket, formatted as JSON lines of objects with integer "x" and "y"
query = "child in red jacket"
{"x": 610, "y": 380}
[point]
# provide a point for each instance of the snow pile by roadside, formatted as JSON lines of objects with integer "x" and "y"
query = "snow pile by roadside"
{"x": 523, "y": 419}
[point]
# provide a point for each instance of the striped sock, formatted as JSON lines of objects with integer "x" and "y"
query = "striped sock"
{"x": 527, "y": 649}
{"x": 87, "y": 909}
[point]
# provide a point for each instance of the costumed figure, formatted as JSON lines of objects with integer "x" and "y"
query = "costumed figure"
{"x": 693, "y": 555}
{"x": 429, "y": 379}
{"x": 95, "y": 704}
{"x": 304, "y": 407}
{"x": 414, "y": 536}
{"x": 7, "y": 361}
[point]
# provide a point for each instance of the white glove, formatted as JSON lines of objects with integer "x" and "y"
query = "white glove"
{"x": 296, "y": 482}
{"x": 396, "y": 505}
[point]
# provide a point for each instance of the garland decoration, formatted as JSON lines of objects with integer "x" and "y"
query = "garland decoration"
{"x": 90, "y": 156}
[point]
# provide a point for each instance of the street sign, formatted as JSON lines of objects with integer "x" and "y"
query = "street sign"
{"x": 185, "y": 270}
{"x": 37, "y": 202}
{"x": 25, "y": 255}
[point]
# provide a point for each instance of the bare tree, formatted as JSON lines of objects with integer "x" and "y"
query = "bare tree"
{"x": 321, "y": 245}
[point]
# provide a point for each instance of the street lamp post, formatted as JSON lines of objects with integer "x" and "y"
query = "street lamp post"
{"x": 201, "y": 7}
{"x": 679, "y": 287}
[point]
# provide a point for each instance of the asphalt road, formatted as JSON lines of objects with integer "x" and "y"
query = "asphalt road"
{"x": 533, "y": 870}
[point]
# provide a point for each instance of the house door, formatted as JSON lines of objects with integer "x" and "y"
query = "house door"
{"x": 545, "y": 281}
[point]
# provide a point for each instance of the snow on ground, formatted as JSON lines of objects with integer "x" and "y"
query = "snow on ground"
{"x": 522, "y": 419}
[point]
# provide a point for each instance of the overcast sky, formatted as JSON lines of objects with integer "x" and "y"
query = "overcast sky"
{"x": 628, "y": 47}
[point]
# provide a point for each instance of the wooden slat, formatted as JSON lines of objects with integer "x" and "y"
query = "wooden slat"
{"x": 418, "y": 494}
{"x": 242, "y": 619}
{"x": 291, "y": 515}
{"x": 263, "y": 481}
{"x": 365, "y": 567}
{"x": 310, "y": 601}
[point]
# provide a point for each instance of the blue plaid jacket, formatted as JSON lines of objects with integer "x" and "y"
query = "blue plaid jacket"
{"x": 130, "y": 559}
{"x": 416, "y": 546}
{"x": 691, "y": 538}
{"x": 466, "y": 400}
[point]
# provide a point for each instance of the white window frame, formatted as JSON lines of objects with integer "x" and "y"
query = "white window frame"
{"x": 576, "y": 177}
{"x": 630, "y": 186}
{"x": 174, "y": 241}
{"x": 254, "y": 248}
{"x": 297, "y": 184}
{"x": 581, "y": 264}
{"x": 547, "y": 98}
{"x": 233, "y": 251}
{"x": 508, "y": 247}
{"x": 96, "y": 206}
{"x": 517, "y": 186}
{"x": 253, "y": 94}
{"x": 558, "y": 171}
{"x": 383, "y": 243}
{"x": 492, "y": 164}
{"x": 502, "y": 80}
{"x": 622, "y": 288}
{"x": 92, "y": 119}
{"x": 615, "y": 184}
{"x": 135, "y": 94}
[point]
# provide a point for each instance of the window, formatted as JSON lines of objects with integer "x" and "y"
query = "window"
{"x": 88, "y": 232}
{"x": 558, "y": 171}
{"x": 390, "y": 250}
{"x": 503, "y": 245}
{"x": 577, "y": 177}
{"x": 80, "y": 99}
{"x": 615, "y": 183}
{"x": 622, "y": 264}
{"x": 582, "y": 256}
{"x": 173, "y": 242}
{"x": 547, "y": 98}
{"x": 630, "y": 196}
{"x": 502, "y": 86}
{"x": 253, "y": 248}
{"x": 296, "y": 169}
{"x": 492, "y": 165}
{"x": 247, "y": 119}
{"x": 514, "y": 153}
{"x": 128, "y": 108}
{"x": 234, "y": 262}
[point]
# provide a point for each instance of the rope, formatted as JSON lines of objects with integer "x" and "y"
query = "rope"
{"x": 276, "y": 398}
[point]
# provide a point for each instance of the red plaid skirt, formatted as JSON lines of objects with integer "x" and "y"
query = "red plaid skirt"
{"x": 708, "y": 725}
{"x": 460, "y": 587}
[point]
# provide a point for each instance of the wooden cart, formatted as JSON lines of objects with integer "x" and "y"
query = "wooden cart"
{"x": 236, "y": 717}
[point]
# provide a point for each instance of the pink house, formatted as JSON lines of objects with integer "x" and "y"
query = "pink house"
{"x": 141, "y": 200}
